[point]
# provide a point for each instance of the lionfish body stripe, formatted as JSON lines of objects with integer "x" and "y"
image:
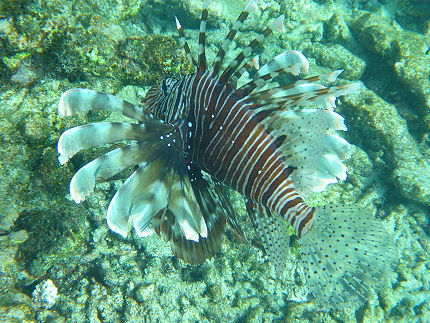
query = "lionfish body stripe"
{"x": 275, "y": 146}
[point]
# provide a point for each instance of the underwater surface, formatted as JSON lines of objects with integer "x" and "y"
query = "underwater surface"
{"x": 59, "y": 262}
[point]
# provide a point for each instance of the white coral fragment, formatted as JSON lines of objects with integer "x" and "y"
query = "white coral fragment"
{"x": 45, "y": 294}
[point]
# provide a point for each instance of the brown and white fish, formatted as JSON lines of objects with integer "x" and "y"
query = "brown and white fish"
{"x": 273, "y": 144}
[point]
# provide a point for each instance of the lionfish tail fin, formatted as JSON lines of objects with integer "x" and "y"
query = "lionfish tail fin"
{"x": 345, "y": 255}
{"x": 272, "y": 229}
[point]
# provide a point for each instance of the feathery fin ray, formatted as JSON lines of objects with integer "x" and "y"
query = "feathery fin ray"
{"x": 82, "y": 100}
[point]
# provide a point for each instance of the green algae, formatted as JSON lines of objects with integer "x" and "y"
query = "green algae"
{"x": 11, "y": 6}
{"x": 149, "y": 58}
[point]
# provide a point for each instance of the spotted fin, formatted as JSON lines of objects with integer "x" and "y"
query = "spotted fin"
{"x": 345, "y": 255}
{"x": 272, "y": 230}
{"x": 311, "y": 146}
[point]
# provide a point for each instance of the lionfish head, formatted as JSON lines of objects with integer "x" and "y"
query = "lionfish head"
{"x": 158, "y": 95}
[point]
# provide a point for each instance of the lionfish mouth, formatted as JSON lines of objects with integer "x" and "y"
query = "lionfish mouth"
{"x": 200, "y": 135}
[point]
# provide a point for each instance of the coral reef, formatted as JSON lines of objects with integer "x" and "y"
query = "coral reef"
{"x": 123, "y": 47}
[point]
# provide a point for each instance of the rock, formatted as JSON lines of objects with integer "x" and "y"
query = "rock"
{"x": 336, "y": 30}
{"x": 382, "y": 128}
{"x": 405, "y": 52}
{"x": 337, "y": 57}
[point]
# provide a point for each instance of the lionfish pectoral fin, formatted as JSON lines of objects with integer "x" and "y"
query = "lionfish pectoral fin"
{"x": 82, "y": 100}
{"x": 345, "y": 254}
{"x": 272, "y": 229}
{"x": 159, "y": 182}
{"x": 214, "y": 215}
{"x": 138, "y": 200}
{"x": 88, "y": 136}
{"x": 104, "y": 167}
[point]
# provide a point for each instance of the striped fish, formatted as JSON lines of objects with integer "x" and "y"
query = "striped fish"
{"x": 199, "y": 135}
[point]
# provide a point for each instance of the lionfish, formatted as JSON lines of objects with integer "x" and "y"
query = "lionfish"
{"x": 199, "y": 135}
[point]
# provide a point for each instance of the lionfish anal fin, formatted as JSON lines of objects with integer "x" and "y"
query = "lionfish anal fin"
{"x": 272, "y": 229}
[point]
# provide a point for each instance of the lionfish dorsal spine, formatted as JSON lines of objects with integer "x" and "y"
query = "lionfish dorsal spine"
{"x": 183, "y": 40}
{"x": 202, "y": 37}
{"x": 250, "y": 7}
{"x": 249, "y": 50}
{"x": 292, "y": 62}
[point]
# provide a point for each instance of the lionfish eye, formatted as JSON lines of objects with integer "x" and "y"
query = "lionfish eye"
{"x": 164, "y": 87}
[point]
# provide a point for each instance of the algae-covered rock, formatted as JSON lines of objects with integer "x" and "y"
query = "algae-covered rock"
{"x": 383, "y": 129}
{"x": 138, "y": 60}
{"x": 387, "y": 39}
{"x": 337, "y": 57}
{"x": 146, "y": 59}
{"x": 414, "y": 73}
{"x": 405, "y": 52}
{"x": 67, "y": 240}
{"x": 15, "y": 306}
{"x": 11, "y": 6}
{"x": 336, "y": 30}
{"x": 43, "y": 28}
